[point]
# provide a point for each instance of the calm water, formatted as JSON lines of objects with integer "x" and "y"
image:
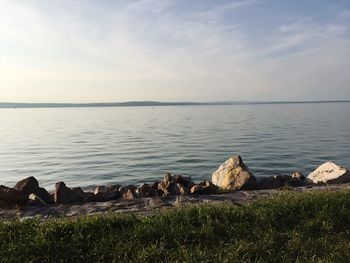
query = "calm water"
{"x": 91, "y": 146}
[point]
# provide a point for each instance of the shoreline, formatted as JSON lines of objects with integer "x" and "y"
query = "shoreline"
{"x": 231, "y": 183}
{"x": 154, "y": 205}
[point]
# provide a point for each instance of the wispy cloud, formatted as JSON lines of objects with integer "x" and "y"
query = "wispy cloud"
{"x": 167, "y": 50}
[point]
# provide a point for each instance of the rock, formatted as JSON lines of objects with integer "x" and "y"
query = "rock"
{"x": 106, "y": 193}
{"x": 35, "y": 200}
{"x": 273, "y": 182}
{"x": 98, "y": 194}
{"x": 129, "y": 194}
{"x": 329, "y": 173}
{"x": 65, "y": 195}
{"x": 295, "y": 180}
{"x": 234, "y": 175}
{"x": 183, "y": 190}
{"x": 169, "y": 186}
{"x": 145, "y": 190}
{"x": 79, "y": 192}
{"x": 158, "y": 191}
{"x": 299, "y": 176}
{"x": 27, "y": 186}
{"x": 4, "y": 204}
{"x": 185, "y": 181}
{"x": 125, "y": 188}
{"x": 44, "y": 195}
{"x": 204, "y": 188}
{"x": 155, "y": 185}
{"x": 100, "y": 189}
{"x": 30, "y": 185}
{"x": 90, "y": 197}
{"x": 12, "y": 196}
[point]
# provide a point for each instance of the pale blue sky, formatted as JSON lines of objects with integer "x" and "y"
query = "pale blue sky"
{"x": 167, "y": 50}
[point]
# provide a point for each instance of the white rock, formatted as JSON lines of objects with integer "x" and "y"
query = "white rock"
{"x": 329, "y": 173}
{"x": 234, "y": 175}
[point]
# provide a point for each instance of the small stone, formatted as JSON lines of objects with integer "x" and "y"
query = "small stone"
{"x": 299, "y": 176}
{"x": 185, "y": 181}
{"x": 204, "y": 188}
{"x": 295, "y": 180}
{"x": 329, "y": 173}
{"x": 106, "y": 193}
{"x": 234, "y": 175}
{"x": 155, "y": 185}
{"x": 130, "y": 194}
{"x": 145, "y": 190}
{"x": 169, "y": 186}
{"x": 100, "y": 189}
{"x": 183, "y": 190}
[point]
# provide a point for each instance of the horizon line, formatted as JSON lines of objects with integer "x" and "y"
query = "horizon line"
{"x": 153, "y": 103}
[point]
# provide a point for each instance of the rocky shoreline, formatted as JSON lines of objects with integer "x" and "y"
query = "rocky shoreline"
{"x": 232, "y": 182}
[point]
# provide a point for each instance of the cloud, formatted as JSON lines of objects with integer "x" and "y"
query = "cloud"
{"x": 169, "y": 50}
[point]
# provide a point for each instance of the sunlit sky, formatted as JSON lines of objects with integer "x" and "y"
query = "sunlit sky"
{"x": 174, "y": 50}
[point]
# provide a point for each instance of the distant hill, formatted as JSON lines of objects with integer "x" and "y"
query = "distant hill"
{"x": 147, "y": 103}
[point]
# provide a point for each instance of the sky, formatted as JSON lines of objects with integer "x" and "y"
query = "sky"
{"x": 174, "y": 50}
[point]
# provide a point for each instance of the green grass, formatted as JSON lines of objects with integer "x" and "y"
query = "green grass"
{"x": 312, "y": 227}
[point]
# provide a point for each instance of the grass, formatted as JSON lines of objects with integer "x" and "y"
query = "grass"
{"x": 309, "y": 227}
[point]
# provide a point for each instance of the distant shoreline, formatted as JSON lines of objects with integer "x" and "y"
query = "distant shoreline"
{"x": 8, "y": 105}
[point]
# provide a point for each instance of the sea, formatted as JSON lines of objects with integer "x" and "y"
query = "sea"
{"x": 89, "y": 146}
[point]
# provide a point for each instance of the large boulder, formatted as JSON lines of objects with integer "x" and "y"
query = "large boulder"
{"x": 11, "y": 196}
{"x": 234, "y": 175}
{"x": 65, "y": 195}
{"x": 30, "y": 185}
{"x": 329, "y": 173}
